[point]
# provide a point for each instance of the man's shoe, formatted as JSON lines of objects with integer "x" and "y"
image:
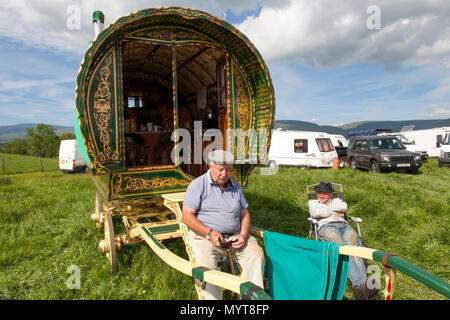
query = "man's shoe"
{"x": 362, "y": 292}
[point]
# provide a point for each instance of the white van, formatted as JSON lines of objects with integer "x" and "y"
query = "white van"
{"x": 70, "y": 159}
{"x": 301, "y": 148}
{"x": 444, "y": 157}
{"x": 427, "y": 139}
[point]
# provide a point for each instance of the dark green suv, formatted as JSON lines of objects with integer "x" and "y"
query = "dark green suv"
{"x": 381, "y": 153}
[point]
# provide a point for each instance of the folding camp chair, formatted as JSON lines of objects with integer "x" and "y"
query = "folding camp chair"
{"x": 338, "y": 193}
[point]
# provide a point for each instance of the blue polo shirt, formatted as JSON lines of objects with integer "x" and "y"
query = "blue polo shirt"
{"x": 216, "y": 208}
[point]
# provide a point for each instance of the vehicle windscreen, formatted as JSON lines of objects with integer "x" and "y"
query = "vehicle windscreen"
{"x": 389, "y": 143}
{"x": 446, "y": 139}
{"x": 404, "y": 139}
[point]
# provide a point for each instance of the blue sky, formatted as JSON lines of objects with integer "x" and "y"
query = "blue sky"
{"x": 327, "y": 65}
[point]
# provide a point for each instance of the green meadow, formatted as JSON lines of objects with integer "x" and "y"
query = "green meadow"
{"x": 46, "y": 231}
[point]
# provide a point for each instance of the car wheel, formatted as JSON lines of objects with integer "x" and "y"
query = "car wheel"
{"x": 353, "y": 163}
{"x": 374, "y": 166}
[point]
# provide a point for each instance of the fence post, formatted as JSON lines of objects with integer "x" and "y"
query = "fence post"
{"x": 42, "y": 165}
{"x": 3, "y": 166}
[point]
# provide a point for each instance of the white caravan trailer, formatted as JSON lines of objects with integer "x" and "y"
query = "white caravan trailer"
{"x": 427, "y": 139}
{"x": 70, "y": 158}
{"x": 301, "y": 148}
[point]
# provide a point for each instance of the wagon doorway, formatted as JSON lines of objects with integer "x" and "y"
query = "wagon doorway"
{"x": 201, "y": 73}
{"x": 168, "y": 87}
{"x": 147, "y": 92}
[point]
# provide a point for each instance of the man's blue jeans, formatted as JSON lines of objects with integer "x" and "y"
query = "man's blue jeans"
{"x": 343, "y": 233}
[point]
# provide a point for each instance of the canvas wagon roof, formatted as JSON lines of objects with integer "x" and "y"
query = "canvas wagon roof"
{"x": 182, "y": 25}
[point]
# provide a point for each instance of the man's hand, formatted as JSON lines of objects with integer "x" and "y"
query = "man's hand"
{"x": 239, "y": 241}
{"x": 241, "y": 238}
{"x": 216, "y": 238}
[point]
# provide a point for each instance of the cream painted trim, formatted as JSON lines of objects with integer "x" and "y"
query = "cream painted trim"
{"x": 362, "y": 252}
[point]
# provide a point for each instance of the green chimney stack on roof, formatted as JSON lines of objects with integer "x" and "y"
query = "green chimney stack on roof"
{"x": 98, "y": 16}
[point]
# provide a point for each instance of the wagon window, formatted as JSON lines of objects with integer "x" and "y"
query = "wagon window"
{"x": 300, "y": 145}
{"x": 135, "y": 102}
{"x": 324, "y": 145}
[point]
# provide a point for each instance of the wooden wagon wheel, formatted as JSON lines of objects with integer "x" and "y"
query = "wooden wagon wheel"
{"x": 99, "y": 212}
{"x": 110, "y": 242}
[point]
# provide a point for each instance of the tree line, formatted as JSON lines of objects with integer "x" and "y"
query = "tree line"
{"x": 41, "y": 141}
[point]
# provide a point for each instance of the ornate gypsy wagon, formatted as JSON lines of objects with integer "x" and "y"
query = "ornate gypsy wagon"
{"x": 142, "y": 78}
{"x": 162, "y": 69}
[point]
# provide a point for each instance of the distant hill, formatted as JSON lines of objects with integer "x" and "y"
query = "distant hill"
{"x": 9, "y": 133}
{"x": 398, "y": 125}
{"x": 344, "y": 129}
{"x": 307, "y": 126}
{"x": 351, "y": 125}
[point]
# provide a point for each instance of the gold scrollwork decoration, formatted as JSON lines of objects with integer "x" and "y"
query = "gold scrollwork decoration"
{"x": 242, "y": 111}
{"x": 102, "y": 111}
{"x": 235, "y": 174}
{"x": 242, "y": 102}
{"x": 99, "y": 169}
{"x": 167, "y": 35}
{"x": 139, "y": 184}
{"x": 190, "y": 13}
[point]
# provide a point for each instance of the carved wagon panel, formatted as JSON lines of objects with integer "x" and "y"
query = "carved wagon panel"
{"x": 104, "y": 114}
{"x": 147, "y": 184}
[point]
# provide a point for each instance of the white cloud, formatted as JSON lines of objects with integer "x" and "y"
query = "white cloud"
{"x": 436, "y": 111}
{"x": 50, "y": 23}
{"x": 326, "y": 34}
{"x": 318, "y": 34}
{"x": 6, "y": 85}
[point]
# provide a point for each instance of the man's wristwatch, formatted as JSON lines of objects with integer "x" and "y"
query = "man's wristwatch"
{"x": 209, "y": 233}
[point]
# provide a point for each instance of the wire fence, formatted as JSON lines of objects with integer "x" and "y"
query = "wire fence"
{"x": 14, "y": 165}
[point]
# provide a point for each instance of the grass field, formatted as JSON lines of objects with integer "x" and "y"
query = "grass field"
{"x": 26, "y": 164}
{"x": 46, "y": 229}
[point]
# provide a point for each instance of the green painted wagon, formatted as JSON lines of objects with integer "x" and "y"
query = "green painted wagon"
{"x": 145, "y": 77}
{"x": 148, "y": 83}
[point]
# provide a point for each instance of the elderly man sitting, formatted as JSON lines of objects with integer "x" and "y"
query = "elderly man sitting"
{"x": 330, "y": 214}
{"x": 215, "y": 211}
